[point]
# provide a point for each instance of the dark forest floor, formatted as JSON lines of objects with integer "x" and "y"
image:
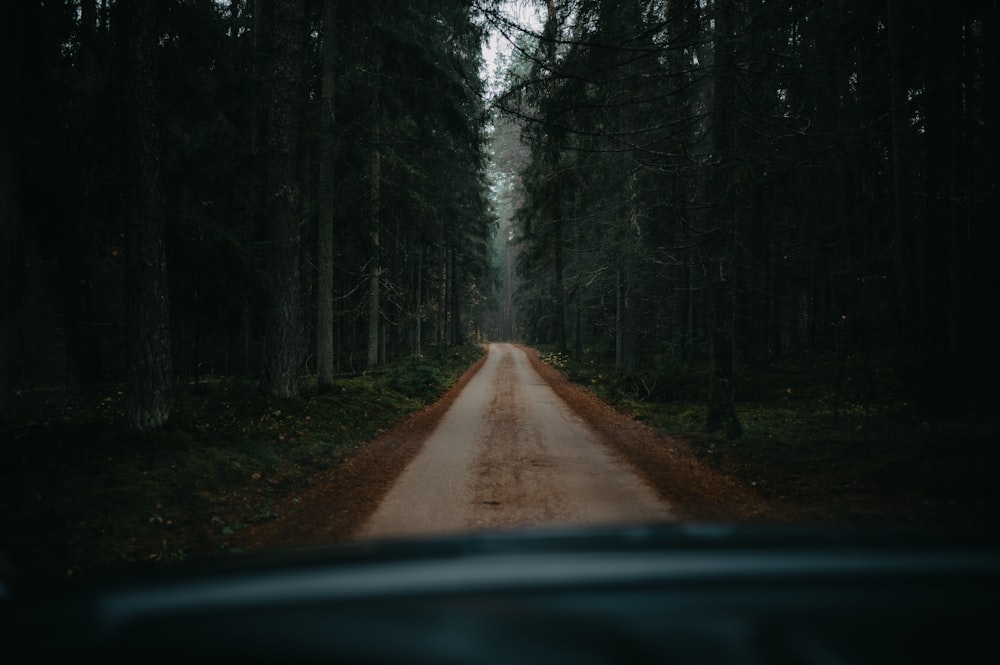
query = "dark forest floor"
{"x": 236, "y": 471}
{"x": 79, "y": 495}
{"x": 835, "y": 439}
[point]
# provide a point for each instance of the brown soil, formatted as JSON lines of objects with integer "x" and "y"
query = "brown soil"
{"x": 343, "y": 499}
{"x": 694, "y": 490}
{"x": 509, "y": 453}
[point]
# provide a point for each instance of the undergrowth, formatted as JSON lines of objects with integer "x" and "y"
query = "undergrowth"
{"x": 78, "y": 493}
{"x": 835, "y": 435}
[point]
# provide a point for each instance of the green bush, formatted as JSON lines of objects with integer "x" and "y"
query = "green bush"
{"x": 415, "y": 378}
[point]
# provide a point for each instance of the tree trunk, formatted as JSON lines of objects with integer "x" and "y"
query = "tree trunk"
{"x": 619, "y": 319}
{"x": 902, "y": 190}
{"x": 374, "y": 264}
{"x": 457, "y": 336}
{"x": 324, "y": 244}
{"x": 283, "y": 38}
{"x": 148, "y": 374}
{"x": 11, "y": 263}
{"x": 442, "y": 319}
{"x": 419, "y": 324}
{"x": 9, "y": 273}
{"x": 944, "y": 201}
{"x": 559, "y": 320}
{"x": 555, "y": 205}
{"x": 722, "y": 367}
{"x": 507, "y": 320}
{"x": 578, "y": 350}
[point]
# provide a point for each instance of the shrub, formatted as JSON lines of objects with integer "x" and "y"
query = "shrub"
{"x": 415, "y": 378}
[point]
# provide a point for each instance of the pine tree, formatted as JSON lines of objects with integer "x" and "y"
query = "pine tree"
{"x": 149, "y": 370}
{"x": 281, "y": 24}
{"x": 327, "y": 187}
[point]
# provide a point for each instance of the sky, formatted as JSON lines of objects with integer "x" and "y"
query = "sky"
{"x": 524, "y": 13}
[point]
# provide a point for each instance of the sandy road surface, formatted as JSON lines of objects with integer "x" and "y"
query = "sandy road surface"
{"x": 509, "y": 452}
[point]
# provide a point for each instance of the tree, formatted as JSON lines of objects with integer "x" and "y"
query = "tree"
{"x": 374, "y": 233}
{"x": 281, "y": 44}
{"x": 149, "y": 370}
{"x": 721, "y": 412}
{"x": 902, "y": 186}
{"x": 327, "y": 186}
{"x": 9, "y": 277}
{"x": 247, "y": 156}
{"x": 555, "y": 211}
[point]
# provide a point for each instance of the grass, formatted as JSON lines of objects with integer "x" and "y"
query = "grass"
{"x": 79, "y": 494}
{"x": 835, "y": 437}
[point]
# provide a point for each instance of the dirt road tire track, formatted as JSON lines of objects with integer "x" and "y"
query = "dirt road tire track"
{"x": 344, "y": 497}
{"x": 510, "y": 453}
{"x": 694, "y": 490}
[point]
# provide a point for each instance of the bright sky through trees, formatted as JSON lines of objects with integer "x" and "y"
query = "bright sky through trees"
{"x": 521, "y": 15}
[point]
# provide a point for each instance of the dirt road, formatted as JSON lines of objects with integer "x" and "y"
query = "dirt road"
{"x": 509, "y": 452}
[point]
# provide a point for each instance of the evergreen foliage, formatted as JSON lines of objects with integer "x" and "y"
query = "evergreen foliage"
{"x": 738, "y": 185}
{"x": 234, "y": 94}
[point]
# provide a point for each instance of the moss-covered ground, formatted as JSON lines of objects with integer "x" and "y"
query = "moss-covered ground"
{"x": 835, "y": 438}
{"x": 79, "y": 494}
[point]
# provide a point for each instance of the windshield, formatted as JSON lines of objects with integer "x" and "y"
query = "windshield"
{"x": 281, "y": 273}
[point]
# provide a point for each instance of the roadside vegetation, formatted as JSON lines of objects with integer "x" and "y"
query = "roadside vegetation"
{"x": 80, "y": 494}
{"x": 834, "y": 438}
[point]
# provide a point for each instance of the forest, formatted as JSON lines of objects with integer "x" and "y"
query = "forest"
{"x": 266, "y": 189}
{"x": 737, "y": 184}
{"x": 239, "y": 237}
{"x": 278, "y": 189}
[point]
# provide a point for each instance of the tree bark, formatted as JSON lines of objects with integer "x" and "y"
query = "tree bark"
{"x": 722, "y": 367}
{"x": 148, "y": 374}
{"x": 457, "y": 336}
{"x": 937, "y": 347}
{"x": 419, "y": 323}
{"x": 559, "y": 289}
{"x": 559, "y": 320}
{"x": 902, "y": 190}
{"x": 283, "y": 39}
{"x": 620, "y": 318}
{"x": 374, "y": 203}
{"x": 507, "y": 318}
{"x": 324, "y": 244}
{"x": 9, "y": 269}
